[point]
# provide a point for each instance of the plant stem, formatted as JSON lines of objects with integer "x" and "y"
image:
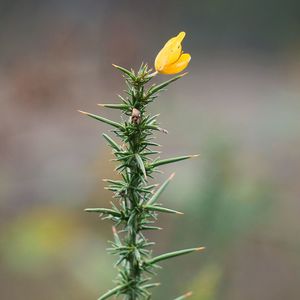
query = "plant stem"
{"x": 137, "y": 205}
{"x": 134, "y": 201}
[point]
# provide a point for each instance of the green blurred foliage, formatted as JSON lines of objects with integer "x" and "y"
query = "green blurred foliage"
{"x": 227, "y": 207}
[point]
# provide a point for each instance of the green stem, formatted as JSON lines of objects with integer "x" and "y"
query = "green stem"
{"x": 134, "y": 271}
{"x": 134, "y": 226}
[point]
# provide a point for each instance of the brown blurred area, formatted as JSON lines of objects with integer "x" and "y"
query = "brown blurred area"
{"x": 239, "y": 107}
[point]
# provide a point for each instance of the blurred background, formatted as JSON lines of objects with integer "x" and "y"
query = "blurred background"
{"x": 238, "y": 107}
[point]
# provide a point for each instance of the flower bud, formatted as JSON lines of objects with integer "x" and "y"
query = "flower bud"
{"x": 135, "y": 116}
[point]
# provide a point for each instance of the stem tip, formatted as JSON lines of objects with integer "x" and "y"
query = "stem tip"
{"x": 200, "y": 249}
{"x": 183, "y": 74}
{"x": 188, "y": 294}
{"x": 172, "y": 176}
{"x": 82, "y": 112}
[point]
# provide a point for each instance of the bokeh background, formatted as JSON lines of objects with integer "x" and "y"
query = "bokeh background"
{"x": 238, "y": 107}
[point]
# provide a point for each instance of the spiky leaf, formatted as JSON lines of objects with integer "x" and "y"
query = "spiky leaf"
{"x": 114, "y": 106}
{"x": 104, "y": 120}
{"x": 125, "y": 71}
{"x": 154, "y": 198}
{"x": 173, "y": 254}
{"x": 112, "y": 143}
{"x": 107, "y": 211}
{"x": 170, "y": 160}
{"x": 189, "y": 294}
{"x": 161, "y": 86}
{"x": 162, "y": 209}
{"x": 113, "y": 291}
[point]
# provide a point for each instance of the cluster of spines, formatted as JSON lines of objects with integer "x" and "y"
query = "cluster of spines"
{"x": 137, "y": 207}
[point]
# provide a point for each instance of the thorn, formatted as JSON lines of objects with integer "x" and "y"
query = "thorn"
{"x": 195, "y": 155}
{"x": 163, "y": 130}
{"x": 200, "y": 249}
{"x": 157, "y": 284}
{"x": 100, "y": 104}
{"x": 171, "y": 176}
{"x": 183, "y": 74}
{"x": 83, "y": 112}
{"x": 179, "y": 213}
{"x": 114, "y": 230}
{"x": 188, "y": 294}
{"x": 153, "y": 74}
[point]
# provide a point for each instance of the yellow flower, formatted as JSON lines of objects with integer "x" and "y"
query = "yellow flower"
{"x": 171, "y": 59}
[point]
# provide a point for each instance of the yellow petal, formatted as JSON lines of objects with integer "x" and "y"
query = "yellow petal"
{"x": 178, "y": 66}
{"x": 170, "y": 53}
{"x": 179, "y": 38}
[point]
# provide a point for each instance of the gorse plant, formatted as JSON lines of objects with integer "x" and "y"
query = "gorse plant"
{"x": 136, "y": 206}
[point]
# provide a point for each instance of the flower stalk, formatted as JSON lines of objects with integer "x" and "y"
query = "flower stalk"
{"x": 136, "y": 206}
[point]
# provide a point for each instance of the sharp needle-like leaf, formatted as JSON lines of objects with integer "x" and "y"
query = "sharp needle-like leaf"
{"x": 151, "y": 285}
{"x": 114, "y": 106}
{"x": 159, "y": 87}
{"x": 103, "y": 211}
{"x": 125, "y": 71}
{"x": 162, "y": 209}
{"x": 101, "y": 119}
{"x": 141, "y": 164}
{"x": 173, "y": 254}
{"x": 112, "y": 143}
{"x": 154, "y": 198}
{"x": 171, "y": 160}
{"x": 113, "y": 291}
{"x": 188, "y": 294}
